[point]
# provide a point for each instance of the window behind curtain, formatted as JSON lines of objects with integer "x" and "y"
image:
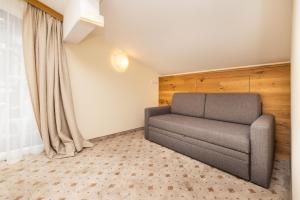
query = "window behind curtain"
{"x": 18, "y": 131}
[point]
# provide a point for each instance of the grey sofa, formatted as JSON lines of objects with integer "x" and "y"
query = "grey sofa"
{"x": 226, "y": 131}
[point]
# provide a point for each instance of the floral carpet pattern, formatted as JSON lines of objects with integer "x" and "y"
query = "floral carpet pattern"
{"x": 126, "y": 167}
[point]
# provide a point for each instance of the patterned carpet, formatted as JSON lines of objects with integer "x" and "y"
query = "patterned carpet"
{"x": 129, "y": 167}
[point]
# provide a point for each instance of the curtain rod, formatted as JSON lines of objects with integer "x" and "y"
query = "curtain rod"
{"x": 46, "y": 9}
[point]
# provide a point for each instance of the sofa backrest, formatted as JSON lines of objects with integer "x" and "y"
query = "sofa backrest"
{"x": 242, "y": 108}
{"x": 189, "y": 104}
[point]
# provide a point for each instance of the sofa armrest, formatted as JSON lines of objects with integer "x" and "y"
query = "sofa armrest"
{"x": 262, "y": 149}
{"x": 149, "y": 112}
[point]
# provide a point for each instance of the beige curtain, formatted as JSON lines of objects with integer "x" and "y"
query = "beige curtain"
{"x": 49, "y": 84}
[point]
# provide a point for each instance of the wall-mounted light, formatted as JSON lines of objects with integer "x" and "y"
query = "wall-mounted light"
{"x": 119, "y": 61}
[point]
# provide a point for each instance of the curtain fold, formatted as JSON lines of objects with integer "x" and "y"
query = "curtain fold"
{"x": 49, "y": 83}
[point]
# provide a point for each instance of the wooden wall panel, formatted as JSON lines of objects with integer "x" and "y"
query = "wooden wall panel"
{"x": 223, "y": 84}
{"x": 272, "y": 82}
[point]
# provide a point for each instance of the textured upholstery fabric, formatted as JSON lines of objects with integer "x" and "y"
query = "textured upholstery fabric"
{"x": 262, "y": 148}
{"x": 232, "y": 135}
{"x": 190, "y": 104}
{"x": 242, "y": 108}
{"x": 202, "y": 144}
{"x": 227, "y": 163}
{"x": 149, "y": 112}
{"x": 229, "y": 135}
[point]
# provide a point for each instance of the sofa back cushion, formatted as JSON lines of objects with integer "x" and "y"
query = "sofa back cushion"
{"x": 189, "y": 104}
{"x": 243, "y": 108}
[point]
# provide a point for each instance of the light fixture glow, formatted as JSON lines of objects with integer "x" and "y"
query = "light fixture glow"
{"x": 119, "y": 61}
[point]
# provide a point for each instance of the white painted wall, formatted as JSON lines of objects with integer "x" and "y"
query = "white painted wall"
{"x": 295, "y": 75}
{"x": 71, "y": 16}
{"x": 90, "y": 9}
{"x": 107, "y": 101}
{"x": 81, "y": 17}
{"x": 59, "y": 6}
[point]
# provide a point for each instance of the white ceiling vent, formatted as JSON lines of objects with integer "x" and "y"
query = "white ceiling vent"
{"x": 81, "y": 17}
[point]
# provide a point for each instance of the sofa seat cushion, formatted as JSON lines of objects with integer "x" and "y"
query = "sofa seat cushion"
{"x": 229, "y": 135}
{"x": 223, "y": 158}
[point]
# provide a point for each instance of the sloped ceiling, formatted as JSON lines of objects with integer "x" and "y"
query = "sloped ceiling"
{"x": 174, "y": 36}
